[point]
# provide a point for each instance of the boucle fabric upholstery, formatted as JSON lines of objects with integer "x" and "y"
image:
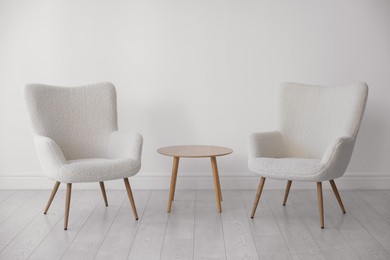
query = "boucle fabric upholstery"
{"x": 78, "y": 119}
{"x": 76, "y": 133}
{"x": 98, "y": 169}
{"x": 318, "y": 127}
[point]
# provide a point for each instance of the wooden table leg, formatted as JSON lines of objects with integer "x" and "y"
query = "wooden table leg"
{"x": 217, "y": 186}
{"x": 219, "y": 183}
{"x": 175, "y": 168}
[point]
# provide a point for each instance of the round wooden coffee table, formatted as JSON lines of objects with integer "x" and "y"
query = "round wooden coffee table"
{"x": 195, "y": 151}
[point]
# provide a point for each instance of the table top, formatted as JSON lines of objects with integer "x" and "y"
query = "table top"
{"x": 194, "y": 151}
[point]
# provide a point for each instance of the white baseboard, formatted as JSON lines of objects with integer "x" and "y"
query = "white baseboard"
{"x": 198, "y": 181}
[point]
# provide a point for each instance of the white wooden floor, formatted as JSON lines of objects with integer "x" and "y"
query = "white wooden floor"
{"x": 194, "y": 229}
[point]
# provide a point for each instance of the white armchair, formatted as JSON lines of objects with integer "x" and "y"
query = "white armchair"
{"x": 77, "y": 138}
{"x": 318, "y": 127}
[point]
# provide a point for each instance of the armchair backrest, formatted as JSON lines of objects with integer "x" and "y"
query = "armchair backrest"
{"x": 311, "y": 117}
{"x": 79, "y": 119}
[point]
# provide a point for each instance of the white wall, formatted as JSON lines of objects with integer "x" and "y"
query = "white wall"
{"x": 194, "y": 72}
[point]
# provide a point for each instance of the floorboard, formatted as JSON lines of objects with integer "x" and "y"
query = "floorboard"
{"x": 299, "y": 240}
{"x": 88, "y": 240}
{"x": 194, "y": 229}
{"x": 208, "y": 238}
{"x": 358, "y": 238}
{"x": 151, "y": 231}
{"x": 369, "y": 218}
{"x": 21, "y": 217}
{"x": 377, "y": 202}
{"x": 58, "y": 240}
{"x": 179, "y": 235}
{"x": 27, "y": 241}
{"x": 5, "y": 193}
{"x": 238, "y": 237}
{"x": 330, "y": 241}
{"x": 268, "y": 238}
{"x": 121, "y": 235}
{"x": 11, "y": 203}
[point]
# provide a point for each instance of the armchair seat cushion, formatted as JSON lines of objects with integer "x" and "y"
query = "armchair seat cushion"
{"x": 299, "y": 169}
{"x": 97, "y": 169}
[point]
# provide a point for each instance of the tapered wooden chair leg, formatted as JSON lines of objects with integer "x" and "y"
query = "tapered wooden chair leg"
{"x": 336, "y": 193}
{"x": 103, "y": 192}
{"x": 67, "y": 204}
{"x": 287, "y": 192}
{"x": 131, "y": 198}
{"x": 53, "y": 193}
{"x": 258, "y": 194}
{"x": 320, "y": 203}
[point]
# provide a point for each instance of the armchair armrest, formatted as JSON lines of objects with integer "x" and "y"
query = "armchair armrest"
{"x": 341, "y": 148}
{"x": 122, "y": 145}
{"x": 266, "y": 144}
{"x": 50, "y": 155}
